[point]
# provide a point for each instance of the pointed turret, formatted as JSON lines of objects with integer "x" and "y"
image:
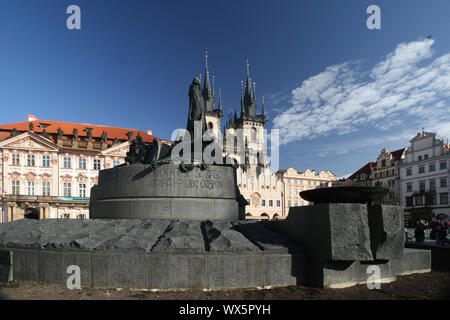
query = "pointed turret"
{"x": 242, "y": 99}
{"x": 213, "y": 92}
{"x": 249, "y": 100}
{"x": 220, "y": 100}
{"x": 207, "y": 94}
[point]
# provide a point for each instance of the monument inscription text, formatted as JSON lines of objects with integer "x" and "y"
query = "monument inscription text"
{"x": 171, "y": 177}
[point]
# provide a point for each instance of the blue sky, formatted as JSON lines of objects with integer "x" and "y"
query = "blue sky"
{"x": 338, "y": 92}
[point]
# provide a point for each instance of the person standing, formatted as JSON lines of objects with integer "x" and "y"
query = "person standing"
{"x": 419, "y": 232}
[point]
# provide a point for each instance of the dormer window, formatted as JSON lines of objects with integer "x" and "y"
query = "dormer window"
{"x": 43, "y": 125}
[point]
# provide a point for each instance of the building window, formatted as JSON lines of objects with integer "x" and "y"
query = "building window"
{"x": 66, "y": 216}
{"x": 15, "y": 187}
{"x": 81, "y": 216}
{"x": 289, "y": 203}
{"x": 288, "y": 180}
{"x": 408, "y": 172}
{"x": 383, "y": 163}
{"x": 409, "y": 187}
{"x": 376, "y": 175}
{"x": 30, "y": 160}
{"x": 82, "y": 190}
{"x": 82, "y": 163}
{"x": 30, "y": 188}
{"x": 432, "y": 184}
{"x": 302, "y": 203}
{"x": 295, "y": 204}
{"x": 295, "y": 191}
{"x": 46, "y": 161}
{"x": 253, "y": 137}
{"x": 422, "y": 169}
{"x": 67, "y": 162}
{"x": 419, "y": 158}
{"x": 443, "y": 183}
{"x": 278, "y": 203}
{"x": 421, "y": 186}
{"x": 425, "y": 156}
{"x": 432, "y": 167}
{"x": 270, "y": 203}
{"x": 289, "y": 190}
{"x": 409, "y": 201}
{"x": 116, "y": 163}
{"x": 430, "y": 199}
{"x": 443, "y": 198}
{"x": 263, "y": 203}
{"x": 309, "y": 182}
{"x": 67, "y": 189}
{"x": 15, "y": 159}
{"x": 443, "y": 165}
{"x": 249, "y": 201}
{"x": 96, "y": 164}
{"x": 46, "y": 188}
{"x": 419, "y": 200}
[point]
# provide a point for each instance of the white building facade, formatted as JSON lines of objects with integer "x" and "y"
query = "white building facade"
{"x": 424, "y": 178}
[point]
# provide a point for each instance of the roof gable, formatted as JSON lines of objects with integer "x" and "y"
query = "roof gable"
{"x": 29, "y": 141}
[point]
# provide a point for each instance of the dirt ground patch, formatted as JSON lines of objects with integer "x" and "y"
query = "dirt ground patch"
{"x": 433, "y": 285}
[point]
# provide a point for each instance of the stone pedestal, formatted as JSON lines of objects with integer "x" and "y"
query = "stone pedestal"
{"x": 333, "y": 231}
{"x": 166, "y": 192}
{"x": 387, "y": 231}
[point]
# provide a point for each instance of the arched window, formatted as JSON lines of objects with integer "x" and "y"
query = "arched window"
{"x": 265, "y": 216}
{"x": 253, "y": 135}
{"x": 210, "y": 125}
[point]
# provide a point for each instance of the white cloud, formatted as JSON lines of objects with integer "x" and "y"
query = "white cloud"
{"x": 401, "y": 90}
{"x": 388, "y": 140}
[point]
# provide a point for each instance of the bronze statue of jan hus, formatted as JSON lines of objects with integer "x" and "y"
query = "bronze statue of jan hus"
{"x": 196, "y": 108}
{"x": 157, "y": 153}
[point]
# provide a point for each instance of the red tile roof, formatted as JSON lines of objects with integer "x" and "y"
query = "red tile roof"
{"x": 52, "y": 127}
{"x": 365, "y": 169}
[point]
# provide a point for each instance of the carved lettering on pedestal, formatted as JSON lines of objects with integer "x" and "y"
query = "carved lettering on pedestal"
{"x": 195, "y": 179}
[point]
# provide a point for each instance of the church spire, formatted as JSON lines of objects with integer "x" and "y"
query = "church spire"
{"x": 213, "y": 91}
{"x": 254, "y": 93}
{"x": 242, "y": 99}
{"x": 209, "y": 104}
{"x": 220, "y": 99}
{"x": 249, "y": 100}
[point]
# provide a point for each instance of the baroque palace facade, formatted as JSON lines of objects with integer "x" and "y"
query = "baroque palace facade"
{"x": 50, "y": 166}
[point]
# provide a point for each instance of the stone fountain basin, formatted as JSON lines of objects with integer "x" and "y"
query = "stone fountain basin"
{"x": 350, "y": 194}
